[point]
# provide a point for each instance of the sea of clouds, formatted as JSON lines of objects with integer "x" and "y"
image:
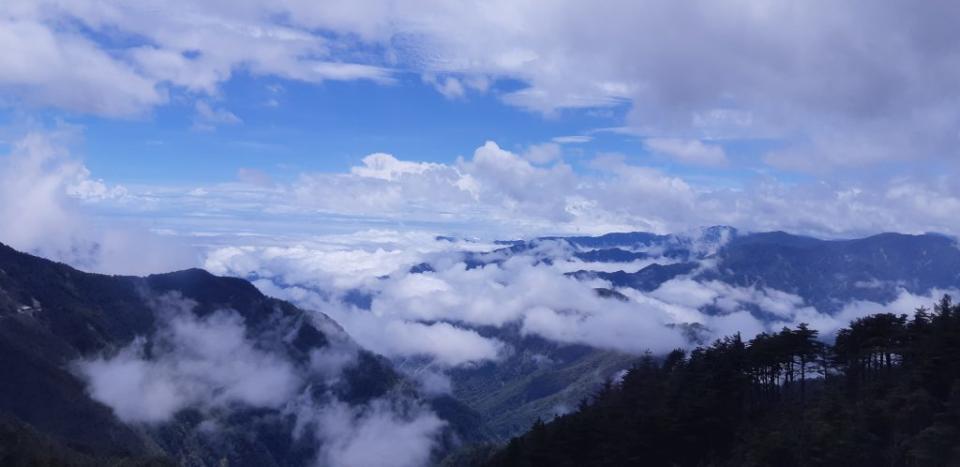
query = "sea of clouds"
{"x": 435, "y": 314}
{"x": 362, "y": 279}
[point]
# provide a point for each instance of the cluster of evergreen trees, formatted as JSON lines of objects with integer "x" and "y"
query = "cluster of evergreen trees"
{"x": 885, "y": 393}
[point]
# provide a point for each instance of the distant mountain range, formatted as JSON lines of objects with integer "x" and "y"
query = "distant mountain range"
{"x": 53, "y": 318}
{"x": 826, "y": 274}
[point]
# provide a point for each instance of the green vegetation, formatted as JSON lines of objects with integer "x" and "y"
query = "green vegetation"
{"x": 886, "y": 393}
{"x": 22, "y": 445}
{"x": 510, "y": 404}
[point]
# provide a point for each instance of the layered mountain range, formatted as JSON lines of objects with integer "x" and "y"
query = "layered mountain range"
{"x": 182, "y": 368}
{"x": 194, "y": 369}
{"x": 826, "y": 273}
{"x": 541, "y": 378}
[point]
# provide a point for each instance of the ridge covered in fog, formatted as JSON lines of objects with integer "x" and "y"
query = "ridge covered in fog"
{"x": 469, "y": 318}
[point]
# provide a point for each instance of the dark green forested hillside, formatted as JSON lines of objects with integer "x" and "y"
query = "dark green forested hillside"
{"x": 52, "y": 316}
{"x": 886, "y": 393}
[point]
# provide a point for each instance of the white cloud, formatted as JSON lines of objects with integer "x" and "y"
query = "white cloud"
{"x": 572, "y": 139}
{"x": 380, "y": 433}
{"x": 499, "y": 194}
{"x": 44, "y": 195}
{"x": 750, "y": 69}
{"x": 627, "y": 329}
{"x": 429, "y": 315}
{"x": 444, "y": 343}
{"x": 685, "y": 296}
{"x": 905, "y": 303}
{"x": 448, "y": 86}
{"x": 427, "y": 321}
{"x": 210, "y": 364}
{"x": 518, "y": 186}
{"x": 195, "y": 362}
{"x": 543, "y": 153}
{"x": 573, "y": 264}
{"x": 329, "y": 362}
{"x": 44, "y": 67}
{"x": 494, "y": 184}
{"x": 89, "y": 189}
{"x": 321, "y": 263}
{"x": 386, "y": 167}
{"x": 688, "y": 151}
{"x": 35, "y": 180}
{"x": 189, "y": 46}
{"x": 208, "y": 118}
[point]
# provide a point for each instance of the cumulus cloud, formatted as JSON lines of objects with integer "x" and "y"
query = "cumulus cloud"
{"x": 39, "y": 58}
{"x": 751, "y": 70}
{"x": 493, "y": 185}
{"x": 794, "y": 75}
{"x": 183, "y": 47}
{"x": 386, "y": 167}
{"x": 34, "y": 192}
{"x": 45, "y": 200}
{"x": 516, "y": 185}
{"x": 497, "y": 193}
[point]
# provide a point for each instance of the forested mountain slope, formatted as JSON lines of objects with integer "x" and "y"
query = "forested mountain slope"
{"x": 234, "y": 376}
{"x": 886, "y": 393}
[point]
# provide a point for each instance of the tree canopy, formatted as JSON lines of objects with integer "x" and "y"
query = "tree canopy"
{"x": 886, "y": 392}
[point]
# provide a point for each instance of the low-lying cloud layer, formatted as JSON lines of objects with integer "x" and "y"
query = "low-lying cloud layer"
{"x": 381, "y": 433}
{"x": 204, "y": 363}
{"x": 434, "y": 314}
{"x": 213, "y": 365}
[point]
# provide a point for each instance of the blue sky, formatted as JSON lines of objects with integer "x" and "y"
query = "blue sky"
{"x": 285, "y": 127}
{"x": 327, "y": 127}
{"x": 320, "y": 147}
{"x": 494, "y": 119}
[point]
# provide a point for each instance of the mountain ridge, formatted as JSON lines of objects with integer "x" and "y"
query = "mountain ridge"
{"x": 53, "y": 316}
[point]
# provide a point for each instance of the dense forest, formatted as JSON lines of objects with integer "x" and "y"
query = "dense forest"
{"x": 886, "y": 393}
